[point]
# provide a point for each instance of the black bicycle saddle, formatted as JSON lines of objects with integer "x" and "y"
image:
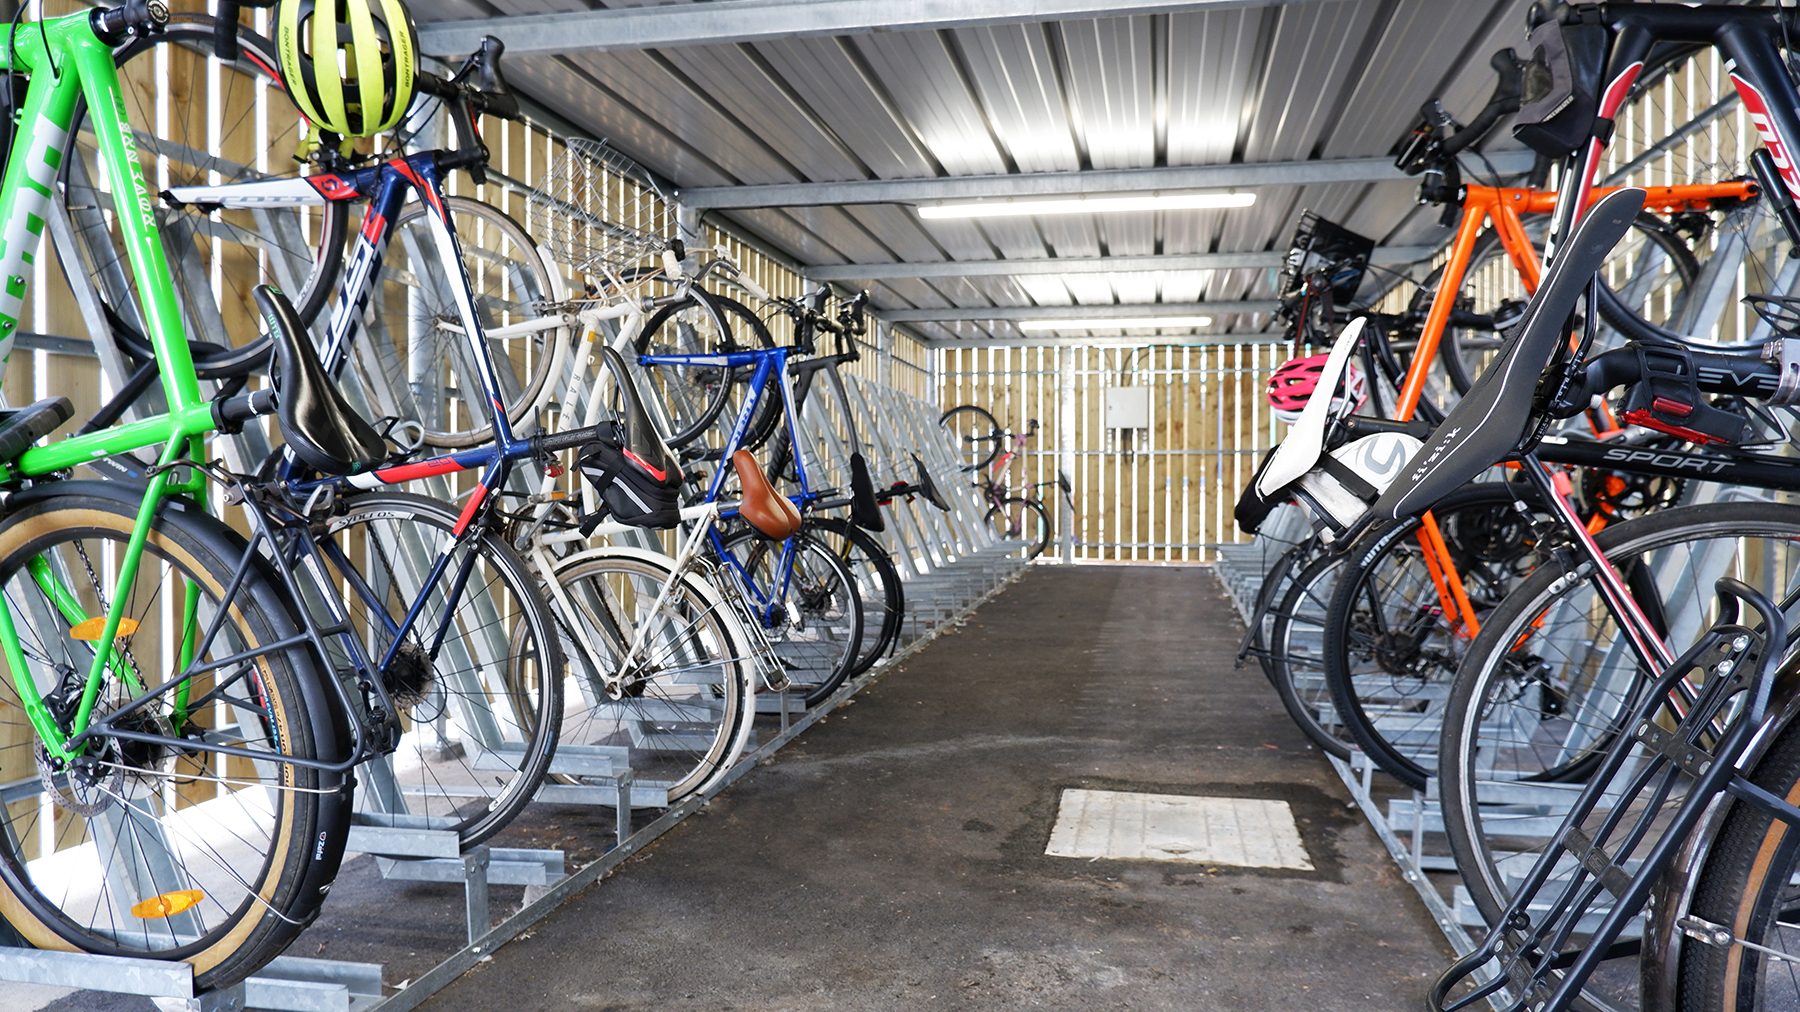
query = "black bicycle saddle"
{"x": 322, "y": 429}
{"x": 1490, "y": 422}
{"x": 637, "y": 434}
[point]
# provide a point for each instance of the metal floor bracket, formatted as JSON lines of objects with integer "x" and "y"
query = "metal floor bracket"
{"x": 287, "y": 984}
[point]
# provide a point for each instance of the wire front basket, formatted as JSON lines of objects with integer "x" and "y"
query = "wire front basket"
{"x": 1323, "y": 245}
{"x": 593, "y": 212}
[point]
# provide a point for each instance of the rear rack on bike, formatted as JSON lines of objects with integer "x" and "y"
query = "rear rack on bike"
{"x": 1655, "y": 783}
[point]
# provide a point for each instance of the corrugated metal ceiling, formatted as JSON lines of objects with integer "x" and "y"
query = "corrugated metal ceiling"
{"x": 1278, "y": 83}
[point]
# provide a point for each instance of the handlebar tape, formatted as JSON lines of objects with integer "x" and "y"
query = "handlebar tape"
{"x": 1505, "y": 100}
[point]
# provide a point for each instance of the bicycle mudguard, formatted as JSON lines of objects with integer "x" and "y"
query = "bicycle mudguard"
{"x": 1494, "y": 417}
{"x": 865, "y": 512}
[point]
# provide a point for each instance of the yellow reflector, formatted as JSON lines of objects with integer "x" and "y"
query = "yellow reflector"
{"x": 90, "y": 629}
{"x": 168, "y": 904}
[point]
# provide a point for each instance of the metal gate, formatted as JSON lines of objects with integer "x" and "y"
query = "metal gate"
{"x": 1162, "y": 491}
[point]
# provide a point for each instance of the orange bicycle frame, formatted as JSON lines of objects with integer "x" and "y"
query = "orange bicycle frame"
{"x": 1503, "y": 206}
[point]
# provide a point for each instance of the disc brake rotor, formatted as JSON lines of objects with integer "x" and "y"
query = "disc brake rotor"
{"x": 88, "y": 787}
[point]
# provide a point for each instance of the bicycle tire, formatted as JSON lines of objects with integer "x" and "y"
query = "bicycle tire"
{"x": 813, "y": 622}
{"x": 1274, "y": 587}
{"x": 1017, "y": 518}
{"x": 978, "y": 438}
{"x": 680, "y": 716}
{"x": 1539, "y": 690}
{"x": 466, "y": 761}
{"x": 215, "y": 257}
{"x": 1745, "y": 884}
{"x": 1490, "y": 279}
{"x": 1745, "y": 242}
{"x": 1389, "y": 655}
{"x": 253, "y": 845}
{"x": 426, "y": 371}
{"x": 694, "y": 397}
{"x": 1297, "y": 659}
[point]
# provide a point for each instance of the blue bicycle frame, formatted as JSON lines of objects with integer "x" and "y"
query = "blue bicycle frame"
{"x": 768, "y": 363}
{"x": 388, "y": 187}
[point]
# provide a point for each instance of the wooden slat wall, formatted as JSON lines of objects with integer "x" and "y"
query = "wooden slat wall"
{"x": 1164, "y": 494}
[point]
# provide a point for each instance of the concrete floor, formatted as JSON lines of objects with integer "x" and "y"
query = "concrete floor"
{"x": 894, "y": 855}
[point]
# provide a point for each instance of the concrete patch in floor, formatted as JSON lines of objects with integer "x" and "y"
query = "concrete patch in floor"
{"x": 1252, "y": 832}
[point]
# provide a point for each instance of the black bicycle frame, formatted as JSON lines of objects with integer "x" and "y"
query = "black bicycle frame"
{"x": 1750, "y": 470}
{"x": 1748, "y": 37}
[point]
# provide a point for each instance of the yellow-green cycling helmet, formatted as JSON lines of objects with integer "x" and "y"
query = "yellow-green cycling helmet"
{"x": 348, "y": 64}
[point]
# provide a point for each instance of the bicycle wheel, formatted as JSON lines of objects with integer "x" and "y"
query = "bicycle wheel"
{"x": 1746, "y": 885}
{"x": 479, "y": 685}
{"x": 677, "y": 711}
{"x": 809, "y": 610}
{"x": 1741, "y": 250}
{"x": 1539, "y": 692}
{"x": 1269, "y": 595}
{"x": 184, "y": 103}
{"x": 877, "y": 581}
{"x": 1297, "y": 655}
{"x": 878, "y": 584}
{"x": 977, "y": 437}
{"x": 694, "y": 397}
{"x": 1019, "y": 519}
{"x": 1391, "y": 647}
{"x": 417, "y": 363}
{"x": 146, "y": 850}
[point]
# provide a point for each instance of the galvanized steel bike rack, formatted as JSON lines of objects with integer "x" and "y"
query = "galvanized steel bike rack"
{"x": 950, "y": 563}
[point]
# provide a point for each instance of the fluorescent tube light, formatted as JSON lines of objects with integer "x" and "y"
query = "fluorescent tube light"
{"x": 1088, "y": 205}
{"x": 1143, "y": 323}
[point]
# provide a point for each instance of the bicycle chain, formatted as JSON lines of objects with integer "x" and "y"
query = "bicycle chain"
{"x": 106, "y": 609}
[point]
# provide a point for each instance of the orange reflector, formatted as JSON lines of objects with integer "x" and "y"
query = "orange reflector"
{"x": 168, "y": 904}
{"x": 90, "y": 629}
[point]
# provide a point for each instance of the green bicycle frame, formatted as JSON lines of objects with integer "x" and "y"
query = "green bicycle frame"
{"x": 65, "y": 62}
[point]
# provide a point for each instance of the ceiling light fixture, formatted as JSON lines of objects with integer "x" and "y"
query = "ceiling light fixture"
{"x": 1139, "y": 323}
{"x": 1088, "y": 205}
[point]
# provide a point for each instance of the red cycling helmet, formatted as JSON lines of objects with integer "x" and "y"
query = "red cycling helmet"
{"x": 1293, "y": 383}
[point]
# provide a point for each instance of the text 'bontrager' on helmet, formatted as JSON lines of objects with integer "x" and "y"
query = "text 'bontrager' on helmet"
{"x": 349, "y": 65}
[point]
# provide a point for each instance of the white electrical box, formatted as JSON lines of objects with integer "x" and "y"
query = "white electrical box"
{"x": 1128, "y": 407}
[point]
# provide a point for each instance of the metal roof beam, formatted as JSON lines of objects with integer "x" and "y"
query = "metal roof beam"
{"x": 1068, "y": 184}
{"x": 979, "y": 314}
{"x": 727, "y": 21}
{"x": 1080, "y": 265}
